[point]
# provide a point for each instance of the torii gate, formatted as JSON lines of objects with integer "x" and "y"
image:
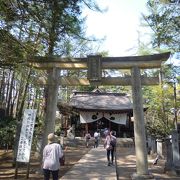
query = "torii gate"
{"x": 94, "y": 65}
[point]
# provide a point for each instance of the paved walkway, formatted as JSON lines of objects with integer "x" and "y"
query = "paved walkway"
{"x": 92, "y": 166}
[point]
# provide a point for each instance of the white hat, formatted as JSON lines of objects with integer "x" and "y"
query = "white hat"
{"x": 51, "y": 138}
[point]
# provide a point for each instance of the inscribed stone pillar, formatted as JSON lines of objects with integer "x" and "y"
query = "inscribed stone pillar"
{"x": 149, "y": 144}
{"x": 160, "y": 147}
{"x": 175, "y": 146}
{"x": 153, "y": 145}
{"x": 168, "y": 164}
{"x": 139, "y": 127}
{"x": 175, "y": 152}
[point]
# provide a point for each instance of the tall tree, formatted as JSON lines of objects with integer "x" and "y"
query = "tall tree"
{"x": 163, "y": 20}
{"x": 40, "y": 28}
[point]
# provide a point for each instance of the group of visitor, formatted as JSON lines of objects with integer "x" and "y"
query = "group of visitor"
{"x": 53, "y": 152}
{"x": 109, "y": 143}
{"x": 96, "y": 138}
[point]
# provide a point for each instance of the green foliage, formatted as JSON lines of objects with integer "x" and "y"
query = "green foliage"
{"x": 160, "y": 103}
{"x": 172, "y": 73}
{"x": 164, "y": 23}
{"x": 155, "y": 127}
{"x": 86, "y": 88}
{"x": 7, "y": 131}
{"x": 11, "y": 50}
{"x": 44, "y": 27}
{"x": 157, "y": 118}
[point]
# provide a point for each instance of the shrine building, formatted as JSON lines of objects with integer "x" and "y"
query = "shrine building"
{"x": 97, "y": 110}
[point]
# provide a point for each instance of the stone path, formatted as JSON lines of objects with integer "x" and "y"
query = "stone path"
{"x": 92, "y": 166}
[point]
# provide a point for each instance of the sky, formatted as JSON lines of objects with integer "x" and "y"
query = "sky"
{"x": 119, "y": 25}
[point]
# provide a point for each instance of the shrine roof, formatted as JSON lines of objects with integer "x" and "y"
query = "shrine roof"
{"x": 101, "y": 101}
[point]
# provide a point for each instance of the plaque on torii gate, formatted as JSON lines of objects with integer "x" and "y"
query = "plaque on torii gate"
{"x": 94, "y": 73}
{"x": 134, "y": 63}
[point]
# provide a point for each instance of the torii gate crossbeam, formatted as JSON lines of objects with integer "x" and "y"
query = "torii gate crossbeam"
{"x": 143, "y": 62}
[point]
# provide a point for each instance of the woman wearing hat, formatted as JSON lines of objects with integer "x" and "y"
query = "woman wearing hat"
{"x": 51, "y": 155}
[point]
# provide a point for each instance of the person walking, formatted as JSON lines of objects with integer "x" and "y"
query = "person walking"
{"x": 96, "y": 139}
{"x": 52, "y": 153}
{"x": 110, "y": 145}
{"x": 87, "y": 138}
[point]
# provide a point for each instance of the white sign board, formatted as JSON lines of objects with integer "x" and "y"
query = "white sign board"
{"x": 26, "y": 135}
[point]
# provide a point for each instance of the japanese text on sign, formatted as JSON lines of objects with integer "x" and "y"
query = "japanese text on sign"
{"x": 26, "y": 135}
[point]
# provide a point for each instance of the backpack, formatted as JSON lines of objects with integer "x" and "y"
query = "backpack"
{"x": 88, "y": 136}
{"x": 113, "y": 142}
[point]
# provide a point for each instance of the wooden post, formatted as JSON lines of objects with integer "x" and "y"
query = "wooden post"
{"x": 16, "y": 170}
{"x": 66, "y": 125}
{"x": 87, "y": 127}
{"x": 119, "y": 130}
{"x": 110, "y": 125}
{"x": 139, "y": 127}
{"x": 27, "y": 172}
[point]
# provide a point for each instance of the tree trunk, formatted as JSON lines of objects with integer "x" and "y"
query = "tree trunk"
{"x": 2, "y": 87}
{"x": 20, "y": 92}
{"x": 8, "y": 82}
{"x": 10, "y": 93}
{"x": 14, "y": 105}
{"x": 24, "y": 95}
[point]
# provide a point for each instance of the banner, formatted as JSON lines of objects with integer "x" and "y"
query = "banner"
{"x": 26, "y": 135}
{"x": 116, "y": 118}
{"x": 89, "y": 117}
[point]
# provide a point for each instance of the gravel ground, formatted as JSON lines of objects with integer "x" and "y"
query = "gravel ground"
{"x": 126, "y": 163}
{"x": 74, "y": 151}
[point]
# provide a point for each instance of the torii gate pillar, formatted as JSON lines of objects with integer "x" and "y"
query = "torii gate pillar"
{"x": 139, "y": 127}
{"x": 51, "y": 103}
